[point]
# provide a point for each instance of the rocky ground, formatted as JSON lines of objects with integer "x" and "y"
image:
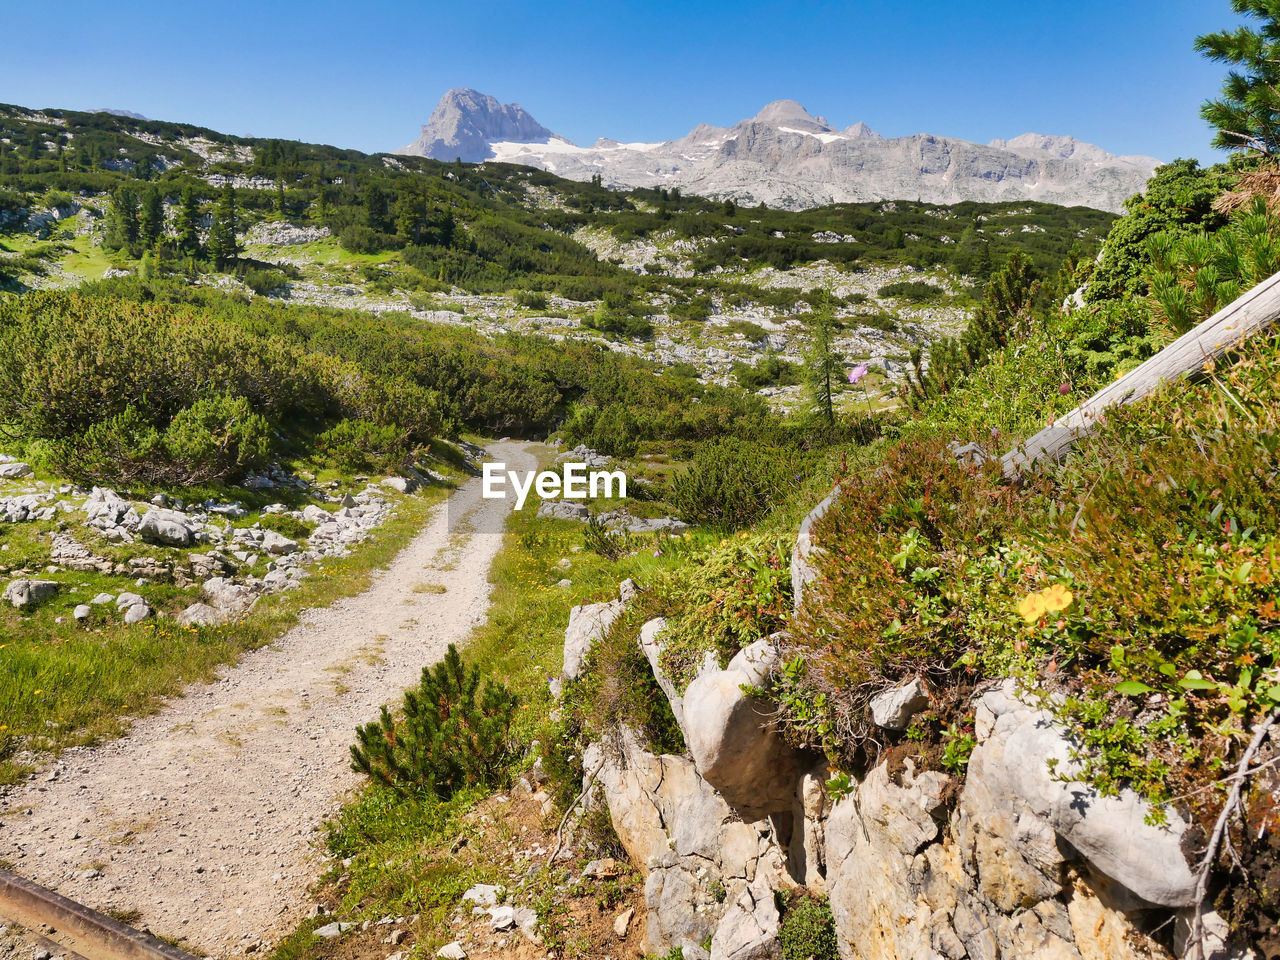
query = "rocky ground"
{"x": 229, "y": 555}
{"x": 734, "y": 333}
{"x": 201, "y": 824}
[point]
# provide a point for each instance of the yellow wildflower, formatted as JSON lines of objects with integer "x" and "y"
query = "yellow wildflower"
{"x": 1049, "y": 600}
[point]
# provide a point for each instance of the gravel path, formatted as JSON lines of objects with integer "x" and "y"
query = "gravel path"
{"x": 205, "y": 818}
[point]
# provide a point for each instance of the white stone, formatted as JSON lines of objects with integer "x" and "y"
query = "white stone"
{"x": 894, "y": 708}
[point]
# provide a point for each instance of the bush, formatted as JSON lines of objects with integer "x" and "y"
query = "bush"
{"x": 446, "y": 739}
{"x": 531, "y": 300}
{"x": 361, "y": 445}
{"x": 808, "y": 930}
{"x": 218, "y": 438}
{"x": 913, "y": 291}
{"x": 264, "y": 282}
{"x": 732, "y": 483}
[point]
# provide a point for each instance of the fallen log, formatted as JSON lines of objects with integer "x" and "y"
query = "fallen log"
{"x": 1253, "y": 313}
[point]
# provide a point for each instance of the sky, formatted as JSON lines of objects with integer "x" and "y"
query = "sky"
{"x": 1121, "y": 74}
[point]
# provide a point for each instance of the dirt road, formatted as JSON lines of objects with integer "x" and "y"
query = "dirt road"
{"x": 204, "y": 819}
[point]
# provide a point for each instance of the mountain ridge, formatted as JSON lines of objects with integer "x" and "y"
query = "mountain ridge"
{"x": 785, "y": 156}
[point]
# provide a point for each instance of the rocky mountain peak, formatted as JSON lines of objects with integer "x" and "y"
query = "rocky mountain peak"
{"x": 789, "y": 113}
{"x": 465, "y": 122}
{"x": 860, "y": 131}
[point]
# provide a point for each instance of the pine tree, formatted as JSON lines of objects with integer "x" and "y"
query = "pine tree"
{"x": 280, "y": 196}
{"x": 822, "y": 365}
{"x": 1247, "y": 116}
{"x": 188, "y": 223}
{"x": 152, "y": 227}
{"x": 122, "y": 219}
{"x": 223, "y": 245}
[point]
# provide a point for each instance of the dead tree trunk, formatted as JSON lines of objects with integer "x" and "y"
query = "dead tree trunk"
{"x": 1251, "y": 314}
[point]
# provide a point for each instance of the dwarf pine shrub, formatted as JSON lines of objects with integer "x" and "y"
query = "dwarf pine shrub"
{"x": 452, "y": 733}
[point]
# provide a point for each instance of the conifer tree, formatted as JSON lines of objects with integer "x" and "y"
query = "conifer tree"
{"x": 1247, "y": 115}
{"x": 822, "y": 365}
{"x": 122, "y": 227}
{"x": 152, "y": 226}
{"x": 223, "y": 245}
{"x": 188, "y": 223}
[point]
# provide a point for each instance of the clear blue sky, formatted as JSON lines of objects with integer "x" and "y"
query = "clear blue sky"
{"x": 1119, "y": 73}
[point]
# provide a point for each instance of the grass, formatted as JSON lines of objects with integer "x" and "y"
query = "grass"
{"x": 65, "y": 685}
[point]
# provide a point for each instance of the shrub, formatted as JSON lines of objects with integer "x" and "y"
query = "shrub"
{"x": 732, "y": 483}
{"x": 216, "y": 438}
{"x": 452, "y": 734}
{"x": 264, "y": 282}
{"x": 619, "y": 322}
{"x": 361, "y": 445}
{"x": 913, "y": 291}
{"x": 808, "y": 930}
{"x": 1194, "y": 275}
{"x": 531, "y": 300}
{"x": 604, "y": 542}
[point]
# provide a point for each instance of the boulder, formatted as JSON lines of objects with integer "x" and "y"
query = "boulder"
{"x": 314, "y": 514}
{"x": 14, "y": 470}
{"x": 199, "y": 615}
{"x": 82, "y": 611}
{"x": 452, "y": 951}
{"x": 651, "y": 646}
{"x": 894, "y": 708}
{"x": 803, "y": 572}
{"x": 227, "y": 596}
{"x": 167, "y": 528}
{"x": 734, "y": 745}
{"x": 21, "y": 593}
{"x": 126, "y": 600}
{"x": 563, "y": 510}
{"x": 277, "y": 544}
{"x": 696, "y": 854}
{"x": 401, "y": 484}
{"x": 137, "y": 613}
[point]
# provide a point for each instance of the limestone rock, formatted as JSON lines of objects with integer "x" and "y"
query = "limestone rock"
{"x": 749, "y": 928}
{"x": 227, "y": 596}
{"x": 588, "y": 623}
{"x": 732, "y": 740}
{"x": 563, "y": 510}
{"x": 82, "y": 611}
{"x": 696, "y": 854}
{"x": 13, "y": 470}
{"x": 136, "y": 613}
{"x": 199, "y": 614}
{"x": 651, "y": 647}
{"x": 167, "y": 528}
{"x": 23, "y": 592}
{"x": 894, "y": 708}
{"x": 452, "y": 951}
{"x": 1110, "y": 832}
{"x": 277, "y": 544}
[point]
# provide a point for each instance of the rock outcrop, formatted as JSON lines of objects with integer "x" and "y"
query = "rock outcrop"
{"x": 1017, "y": 860}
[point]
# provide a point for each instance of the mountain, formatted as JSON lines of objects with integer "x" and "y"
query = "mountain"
{"x": 786, "y": 157}
{"x": 115, "y": 112}
{"x": 465, "y": 123}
